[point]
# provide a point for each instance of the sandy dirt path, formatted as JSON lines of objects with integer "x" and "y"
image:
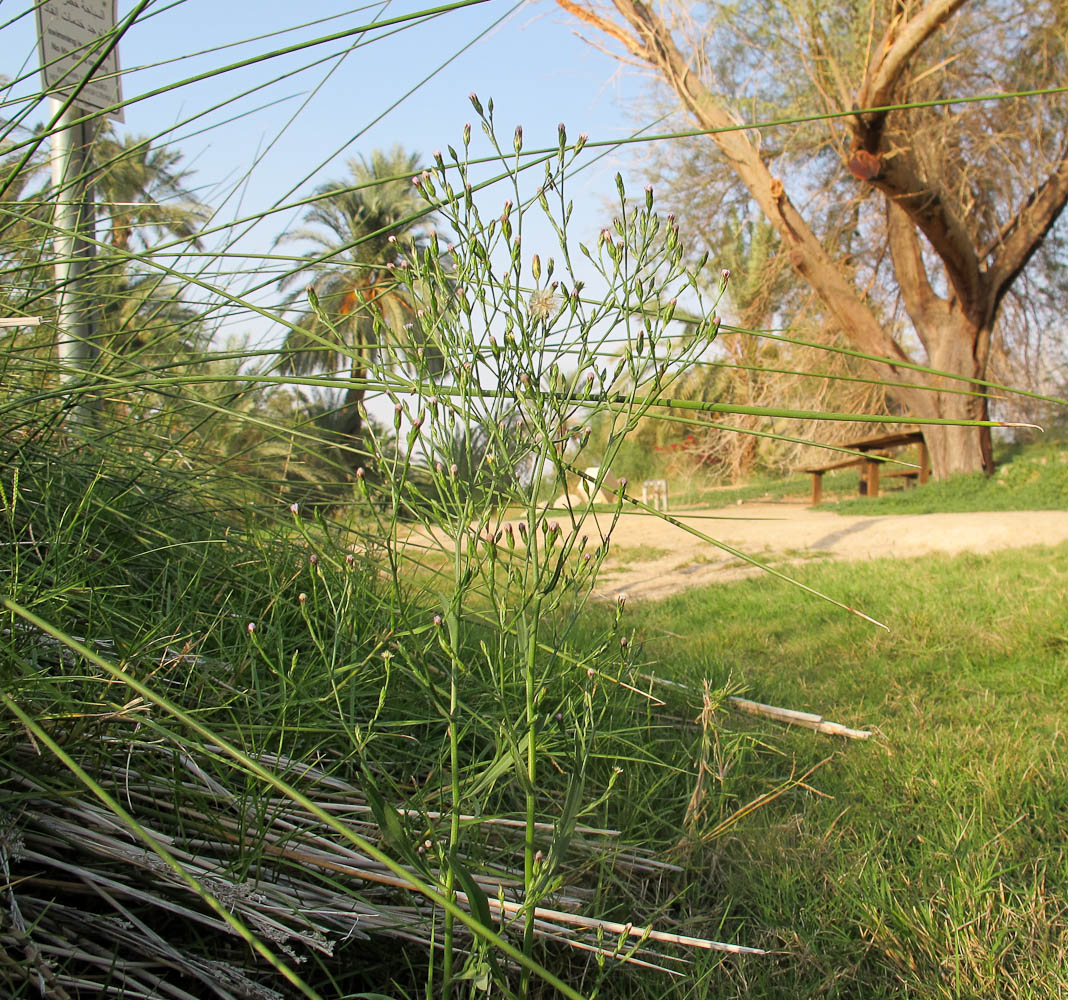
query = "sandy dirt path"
{"x": 650, "y": 558}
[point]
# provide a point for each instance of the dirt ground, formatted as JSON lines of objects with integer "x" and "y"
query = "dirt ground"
{"x": 650, "y": 558}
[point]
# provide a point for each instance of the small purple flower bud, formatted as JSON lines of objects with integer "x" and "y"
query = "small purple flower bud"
{"x": 360, "y": 473}
{"x": 621, "y": 600}
{"x": 302, "y": 597}
{"x": 623, "y": 642}
{"x": 350, "y": 559}
{"x": 589, "y": 671}
{"x": 725, "y": 273}
{"x": 623, "y": 483}
{"x": 294, "y": 508}
{"x": 437, "y": 621}
{"x": 454, "y": 469}
{"x": 251, "y": 628}
{"x": 313, "y": 559}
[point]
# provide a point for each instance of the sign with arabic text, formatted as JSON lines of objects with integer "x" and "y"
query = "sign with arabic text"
{"x": 71, "y": 34}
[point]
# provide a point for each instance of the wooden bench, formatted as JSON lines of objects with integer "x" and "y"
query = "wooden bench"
{"x": 876, "y": 451}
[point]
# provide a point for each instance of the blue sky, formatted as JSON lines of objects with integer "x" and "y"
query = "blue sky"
{"x": 255, "y": 149}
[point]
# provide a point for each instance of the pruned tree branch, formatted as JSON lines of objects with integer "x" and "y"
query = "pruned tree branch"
{"x": 928, "y": 211}
{"x": 608, "y": 27}
{"x": 892, "y": 172}
{"x": 924, "y": 307}
{"x": 1022, "y": 236}
{"x": 896, "y": 49}
{"x": 806, "y": 252}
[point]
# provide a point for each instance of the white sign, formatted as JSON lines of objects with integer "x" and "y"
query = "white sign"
{"x": 71, "y": 34}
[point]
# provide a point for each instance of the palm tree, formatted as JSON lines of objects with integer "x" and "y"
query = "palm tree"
{"x": 359, "y": 228}
{"x": 140, "y": 188}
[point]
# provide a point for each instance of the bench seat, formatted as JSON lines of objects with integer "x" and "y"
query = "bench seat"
{"x": 880, "y": 448}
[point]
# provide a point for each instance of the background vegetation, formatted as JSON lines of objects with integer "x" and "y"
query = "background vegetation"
{"x": 303, "y": 689}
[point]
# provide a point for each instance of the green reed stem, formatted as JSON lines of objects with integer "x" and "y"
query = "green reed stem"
{"x": 530, "y": 796}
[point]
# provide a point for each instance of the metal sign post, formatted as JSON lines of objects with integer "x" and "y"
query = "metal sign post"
{"x": 70, "y": 36}
{"x": 72, "y": 244}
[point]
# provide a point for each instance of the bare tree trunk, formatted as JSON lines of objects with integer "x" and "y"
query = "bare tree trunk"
{"x": 955, "y": 323}
{"x": 957, "y": 347}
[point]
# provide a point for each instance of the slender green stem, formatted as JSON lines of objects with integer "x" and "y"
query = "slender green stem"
{"x": 454, "y": 819}
{"x": 531, "y": 800}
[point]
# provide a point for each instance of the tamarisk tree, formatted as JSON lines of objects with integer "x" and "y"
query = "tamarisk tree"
{"x": 910, "y": 224}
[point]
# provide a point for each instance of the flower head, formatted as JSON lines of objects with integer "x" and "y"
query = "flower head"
{"x": 542, "y": 303}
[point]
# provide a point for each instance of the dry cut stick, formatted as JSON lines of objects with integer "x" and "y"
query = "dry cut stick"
{"x": 795, "y": 718}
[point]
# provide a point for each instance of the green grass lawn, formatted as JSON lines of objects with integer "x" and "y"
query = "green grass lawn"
{"x": 931, "y": 861}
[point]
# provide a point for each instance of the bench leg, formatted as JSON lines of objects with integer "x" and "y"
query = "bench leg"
{"x": 873, "y": 480}
{"x": 925, "y": 462}
{"x": 817, "y": 487}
